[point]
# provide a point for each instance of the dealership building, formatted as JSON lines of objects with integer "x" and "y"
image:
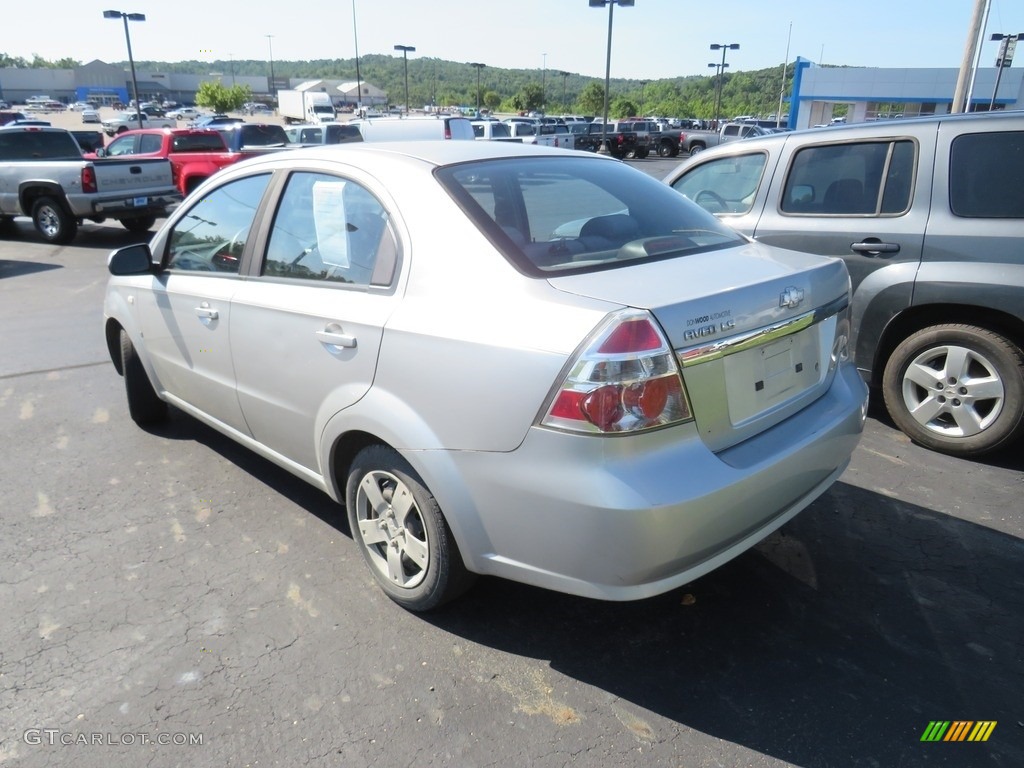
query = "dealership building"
{"x": 868, "y": 93}
{"x": 104, "y": 83}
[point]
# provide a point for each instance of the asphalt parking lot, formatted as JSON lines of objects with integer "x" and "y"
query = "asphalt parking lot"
{"x": 170, "y": 599}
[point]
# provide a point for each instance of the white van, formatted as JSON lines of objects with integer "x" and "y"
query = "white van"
{"x": 415, "y": 128}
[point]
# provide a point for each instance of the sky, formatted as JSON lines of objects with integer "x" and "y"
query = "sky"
{"x": 654, "y": 39}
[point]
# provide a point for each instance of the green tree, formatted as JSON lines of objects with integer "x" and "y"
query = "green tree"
{"x": 492, "y": 100}
{"x": 221, "y": 98}
{"x": 591, "y": 99}
{"x": 622, "y": 106}
{"x": 532, "y": 96}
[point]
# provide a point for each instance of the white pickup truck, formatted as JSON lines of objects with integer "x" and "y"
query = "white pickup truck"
{"x": 43, "y": 175}
{"x": 536, "y": 132}
{"x": 130, "y": 121}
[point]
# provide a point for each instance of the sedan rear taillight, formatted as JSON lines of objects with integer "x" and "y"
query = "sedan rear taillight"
{"x": 624, "y": 380}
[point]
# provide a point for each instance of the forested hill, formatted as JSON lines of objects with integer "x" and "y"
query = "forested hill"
{"x": 444, "y": 83}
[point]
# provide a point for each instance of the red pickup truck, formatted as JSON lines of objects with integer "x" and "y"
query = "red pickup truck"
{"x": 195, "y": 154}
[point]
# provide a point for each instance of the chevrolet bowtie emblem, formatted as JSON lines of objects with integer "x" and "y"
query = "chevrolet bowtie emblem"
{"x": 791, "y": 297}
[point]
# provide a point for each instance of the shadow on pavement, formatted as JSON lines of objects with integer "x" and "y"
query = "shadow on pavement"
{"x": 106, "y": 236}
{"x": 832, "y": 643}
{"x": 14, "y": 268}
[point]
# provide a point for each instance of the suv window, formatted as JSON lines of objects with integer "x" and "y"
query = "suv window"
{"x": 847, "y": 179}
{"x": 985, "y": 175}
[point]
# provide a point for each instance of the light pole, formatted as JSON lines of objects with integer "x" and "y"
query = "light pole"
{"x": 544, "y": 84}
{"x": 270, "y": 43}
{"x": 718, "y": 68}
{"x": 355, "y": 36}
{"x": 231, "y": 58}
{"x": 721, "y": 75}
{"x": 565, "y": 102}
{"x": 405, "y": 63}
{"x": 643, "y": 84}
{"x": 477, "y": 66}
{"x": 126, "y": 17}
{"x": 1003, "y": 60}
{"x": 608, "y": 63}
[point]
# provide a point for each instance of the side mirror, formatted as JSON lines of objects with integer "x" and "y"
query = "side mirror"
{"x": 131, "y": 260}
{"x": 100, "y": 152}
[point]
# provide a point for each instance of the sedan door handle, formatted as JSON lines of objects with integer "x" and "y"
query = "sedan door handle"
{"x": 332, "y": 335}
{"x": 205, "y": 312}
{"x": 872, "y": 247}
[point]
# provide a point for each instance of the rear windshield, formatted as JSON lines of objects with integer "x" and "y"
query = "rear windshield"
{"x": 38, "y": 145}
{"x": 575, "y": 214}
{"x": 198, "y": 142}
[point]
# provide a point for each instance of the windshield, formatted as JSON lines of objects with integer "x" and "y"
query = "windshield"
{"x": 566, "y": 214}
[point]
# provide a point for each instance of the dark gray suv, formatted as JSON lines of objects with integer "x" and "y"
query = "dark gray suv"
{"x": 928, "y": 215}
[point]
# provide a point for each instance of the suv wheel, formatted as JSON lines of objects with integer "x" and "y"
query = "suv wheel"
{"x": 957, "y": 389}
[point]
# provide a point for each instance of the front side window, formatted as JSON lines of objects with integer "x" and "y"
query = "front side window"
{"x": 330, "y": 228}
{"x": 123, "y": 146}
{"x": 865, "y": 178}
{"x": 725, "y": 185}
{"x": 211, "y": 236}
{"x": 986, "y": 175}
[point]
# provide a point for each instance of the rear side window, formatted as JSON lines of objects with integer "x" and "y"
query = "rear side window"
{"x": 150, "y": 143}
{"x": 332, "y": 229}
{"x": 865, "y": 178}
{"x": 986, "y": 175}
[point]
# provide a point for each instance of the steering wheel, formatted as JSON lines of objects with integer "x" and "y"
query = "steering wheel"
{"x": 709, "y": 194}
{"x": 228, "y": 255}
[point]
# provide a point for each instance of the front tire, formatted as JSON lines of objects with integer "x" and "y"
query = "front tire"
{"x": 957, "y": 389}
{"x": 143, "y": 404}
{"x": 53, "y": 222}
{"x": 399, "y": 528}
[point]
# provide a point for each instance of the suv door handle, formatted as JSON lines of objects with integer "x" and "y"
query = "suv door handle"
{"x": 873, "y": 246}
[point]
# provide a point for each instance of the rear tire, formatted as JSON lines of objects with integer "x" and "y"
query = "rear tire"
{"x": 398, "y": 526}
{"x": 957, "y": 389}
{"x": 695, "y": 149}
{"x": 53, "y": 222}
{"x": 141, "y": 224}
{"x": 143, "y": 404}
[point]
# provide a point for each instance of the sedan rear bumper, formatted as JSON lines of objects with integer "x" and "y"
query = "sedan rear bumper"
{"x": 631, "y": 517}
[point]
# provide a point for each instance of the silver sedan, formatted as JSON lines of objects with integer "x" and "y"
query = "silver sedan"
{"x": 519, "y": 361}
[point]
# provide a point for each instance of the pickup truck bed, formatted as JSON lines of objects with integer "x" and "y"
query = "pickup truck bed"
{"x": 43, "y": 175}
{"x": 195, "y": 155}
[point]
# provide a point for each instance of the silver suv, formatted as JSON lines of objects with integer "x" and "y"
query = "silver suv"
{"x": 928, "y": 215}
